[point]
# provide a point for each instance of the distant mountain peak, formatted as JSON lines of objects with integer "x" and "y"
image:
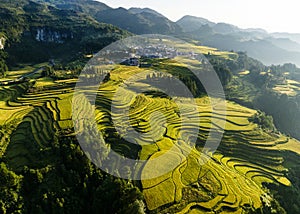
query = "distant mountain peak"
{"x": 139, "y": 21}
{"x": 137, "y": 10}
{"x": 195, "y": 18}
{"x": 192, "y": 23}
{"x": 224, "y": 28}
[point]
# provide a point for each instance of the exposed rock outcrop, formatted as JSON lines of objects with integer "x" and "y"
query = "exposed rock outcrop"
{"x": 52, "y": 36}
{"x": 2, "y": 43}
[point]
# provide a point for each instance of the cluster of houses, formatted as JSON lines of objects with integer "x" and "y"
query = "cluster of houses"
{"x": 137, "y": 61}
{"x": 141, "y": 54}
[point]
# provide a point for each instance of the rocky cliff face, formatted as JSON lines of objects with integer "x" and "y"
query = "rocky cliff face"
{"x": 52, "y": 36}
{"x": 2, "y": 43}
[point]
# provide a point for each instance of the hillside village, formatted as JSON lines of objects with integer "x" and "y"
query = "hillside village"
{"x": 141, "y": 54}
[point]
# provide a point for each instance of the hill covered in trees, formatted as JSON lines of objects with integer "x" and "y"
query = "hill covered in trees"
{"x": 36, "y": 32}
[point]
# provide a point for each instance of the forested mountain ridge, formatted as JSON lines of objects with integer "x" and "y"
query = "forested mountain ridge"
{"x": 142, "y": 22}
{"x": 85, "y": 6}
{"x": 35, "y": 32}
{"x": 135, "y": 20}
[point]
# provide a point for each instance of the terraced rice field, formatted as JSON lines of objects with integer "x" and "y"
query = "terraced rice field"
{"x": 201, "y": 49}
{"x": 227, "y": 181}
{"x": 35, "y": 116}
{"x": 230, "y": 180}
{"x": 291, "y": 88}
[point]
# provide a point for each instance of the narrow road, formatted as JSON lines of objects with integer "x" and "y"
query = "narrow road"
{"x": 21, "y": 78}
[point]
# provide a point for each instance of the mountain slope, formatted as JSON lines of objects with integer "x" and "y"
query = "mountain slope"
{"x": 138, "y": 21}
{"x": 85, "y": 6}
{"x": 37, "y": 32}
{"x": 135, "y": 20}
{"x": 191, "y": 23}
{"x": 137, "y": 10}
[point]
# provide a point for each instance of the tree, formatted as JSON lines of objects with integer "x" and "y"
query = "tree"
{"x": 116, "y": 195}
{"x": 10, "y": 186}
{"x": 263, "y": 120}
{"x": 3, "y": 66}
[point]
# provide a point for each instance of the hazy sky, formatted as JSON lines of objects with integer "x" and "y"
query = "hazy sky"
{"x": 273, "y": 16}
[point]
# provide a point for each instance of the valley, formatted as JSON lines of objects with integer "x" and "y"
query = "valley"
{"x": 94, "y": 118}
